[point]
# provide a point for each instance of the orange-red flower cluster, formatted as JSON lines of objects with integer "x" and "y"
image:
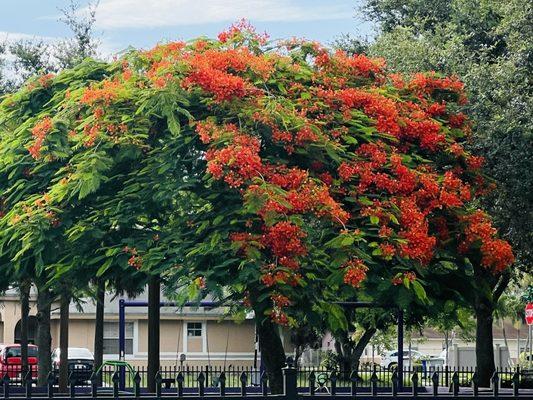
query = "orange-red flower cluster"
{"x": 496, "y": 253}
{"x": 399, "y": 278}
{"x": 237, "y": 162}
{"x": 355, "y": 272}
{"x": 39, "y": 132}
{"x": 104, "y": 94}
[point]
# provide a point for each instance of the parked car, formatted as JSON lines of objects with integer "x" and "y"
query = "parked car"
{"x": 11, "y": 361}
{"x": 80, "y": 363}
{"x": 389, "y": 360}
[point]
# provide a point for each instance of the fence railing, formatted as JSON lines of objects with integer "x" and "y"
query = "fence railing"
{"x": 298, "y": 384}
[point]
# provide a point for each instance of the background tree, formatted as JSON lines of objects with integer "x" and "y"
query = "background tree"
{"x": 487, "y": 44}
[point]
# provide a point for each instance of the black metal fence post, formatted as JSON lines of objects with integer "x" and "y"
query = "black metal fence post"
{"x": 5, "y": 384}
{"x": 201, "y": 384}
{"x": 72, "y": 385}
{"x": 312, "y": 380}
{"x": 395, "y": 379}
{"x": 28, "y": 384}
{"x": 50, "y": 380}
{"x": 333, "y": 379}
{"x": 495, "y": 384}
{"x": 516, "y": 382}
{"x": 137, "y": 385}
{"x": 116, "y": 382}
{"x": 374, "y": 384}
{"x": 158, "y": 382}
{"x": 222, "y": 383}
{"x": 455, "y": 384}
{"x": 400, "y": 349}
{"x": 475, "y": 384}
{"x": 435, "y": 381}
{"x": 244, "y": 379}
{"x": 290, "y": 389}
{"x": 414, "y": 382}
{"x": 353, "y": 383}
{"x": 264, "y": 384}
{"x": 179, "y": 380}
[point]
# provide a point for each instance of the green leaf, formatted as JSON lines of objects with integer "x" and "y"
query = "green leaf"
{"x": 419, "y": 290}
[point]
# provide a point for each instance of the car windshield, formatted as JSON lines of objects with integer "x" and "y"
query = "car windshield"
{"x": 79, "y": 353}
{"x": 15, "y": 352}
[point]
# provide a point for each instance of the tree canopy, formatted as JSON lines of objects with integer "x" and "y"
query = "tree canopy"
{"x": 255, "y": 170}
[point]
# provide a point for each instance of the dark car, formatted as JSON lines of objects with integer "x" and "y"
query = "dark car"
{"x": 80, "y": 363}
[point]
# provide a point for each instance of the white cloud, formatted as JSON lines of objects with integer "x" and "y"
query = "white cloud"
{"x": 113, "y": 14}
{"x": 15, "y": 36}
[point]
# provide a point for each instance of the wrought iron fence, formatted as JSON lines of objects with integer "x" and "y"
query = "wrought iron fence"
{"x": 298, "y": 384}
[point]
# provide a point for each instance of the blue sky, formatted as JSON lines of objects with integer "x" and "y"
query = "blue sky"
{"x": 142, "y": 23}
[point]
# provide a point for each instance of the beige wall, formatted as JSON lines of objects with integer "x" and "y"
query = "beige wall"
{"x": 10, "y": 316}
{"x": 222, "y": 341}
{"x": 239, "y": 338}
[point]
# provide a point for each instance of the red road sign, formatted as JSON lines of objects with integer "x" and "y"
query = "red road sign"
{"x": 529, "y": 313}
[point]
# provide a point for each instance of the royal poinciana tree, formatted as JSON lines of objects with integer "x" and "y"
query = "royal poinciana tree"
{"x": 281, "y": 175}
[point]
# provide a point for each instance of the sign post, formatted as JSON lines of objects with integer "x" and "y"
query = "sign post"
{"x": 529, "y": 321}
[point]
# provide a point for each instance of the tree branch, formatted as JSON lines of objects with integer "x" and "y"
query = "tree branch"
{"x": 501, "y": 285}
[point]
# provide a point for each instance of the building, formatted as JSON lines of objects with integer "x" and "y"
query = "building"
{"x": 206, "y": 337}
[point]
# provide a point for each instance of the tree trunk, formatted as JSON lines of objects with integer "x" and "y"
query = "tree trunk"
{"x": 99, "y": 326}
{"x": 360, "y": 347}
{"x": 504, "y": 333}
{"x": 44, "y": 338}
{"x": 154, "y": 299}
{"x": 24, "y": 320}
{"x": 484, "y": 342}
{"x": 344, "y": 349}
{"x": 63, "y": 343}
{"x": 272, "y": 353}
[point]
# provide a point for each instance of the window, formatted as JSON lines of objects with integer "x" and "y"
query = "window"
{"x": 194, "y": 329}
{"x": 111, "y": 337}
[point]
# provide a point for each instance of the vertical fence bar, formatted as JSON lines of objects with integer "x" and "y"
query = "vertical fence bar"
{"x": 95, "y": 380}
{"x": 455, "y": 384}
{"x": 435, "y": 381}
{"x": 137, "y": 385}
{"x": 495, "y": 384}
{"x": 374, "y": 384}
{"x": 312, "y": 380}
{"x": 243, "y": 379}
{"x": 5, "y": 384}
{"x": 201, "y": 384}
{"x": 222, "y": 382}
{"x": 28, "y": 384}
{"x": 333, "y": 379}
{"x": 179, "y": 380}
{"x": 72, "y": 385}
{"x": 475, "y": 384}
{"x": 353, "y": 384}
{"x": 414, "y": 384}
{"x": 116, "y": 382}
{"x": 158, "y": 382}
{"x": 394, "y": 381}
{"x": 50, "y": 380}
{"x": 400, "y": 348}
{"x": 264, "y": 383}
{"x": 122, "y": 340}
{"x": 516, "y": 382}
